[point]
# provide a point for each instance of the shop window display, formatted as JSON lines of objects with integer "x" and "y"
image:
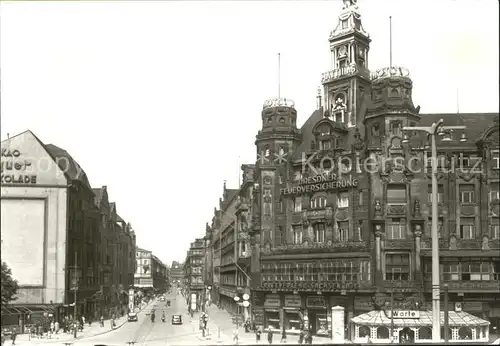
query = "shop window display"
{"x": 292, "y": 321}
{"x": 272, "y": 320}
{"x": 321, "y": 324}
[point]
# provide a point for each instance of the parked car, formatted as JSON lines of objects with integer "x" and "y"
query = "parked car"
{"x": 132, "y": 317}
{"x": 176, "y": 319}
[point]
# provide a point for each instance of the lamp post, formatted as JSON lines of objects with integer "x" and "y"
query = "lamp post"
{"x": 439, "y": 129}
{"x": 446, "y": 308}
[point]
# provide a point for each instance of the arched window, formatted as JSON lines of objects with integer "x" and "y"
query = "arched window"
{"x": 318, "y": 202}
{"x": 279, "y": 238}
{"x": 364, "y": 332}
{"x": 382, "y": 333}
{"x": 464, "y": 333}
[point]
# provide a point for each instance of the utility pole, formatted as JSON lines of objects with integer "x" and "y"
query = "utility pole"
{"x": 75, "y": 294}
{"x": 392, "y": 313}
{"x": 446, "y": 312}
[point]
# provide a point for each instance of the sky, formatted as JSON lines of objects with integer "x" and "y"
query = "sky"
{"x": 161, "y": 100}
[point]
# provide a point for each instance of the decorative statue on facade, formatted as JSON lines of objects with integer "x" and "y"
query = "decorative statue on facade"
{"x": 244, "y": 221}
{"x": 486, "y": 244}
{"x": 267, "y": 202}
{"x": 349, "y": 3}
{"x": 378, "y": 207}
{"x": 416, "y": 208}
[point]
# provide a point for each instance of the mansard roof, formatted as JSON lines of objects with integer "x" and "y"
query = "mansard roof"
{"x": 74, "y": 170}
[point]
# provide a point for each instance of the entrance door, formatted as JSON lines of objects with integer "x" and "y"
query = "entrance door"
{"x": 406, "y": 336}
{"x": 312, "y": 322}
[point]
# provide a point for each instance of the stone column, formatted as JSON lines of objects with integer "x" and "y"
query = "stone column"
{"x": 418, "y": 235}
{"x": 378, "y": 255}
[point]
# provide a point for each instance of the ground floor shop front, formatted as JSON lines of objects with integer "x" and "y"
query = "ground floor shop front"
{"x": 294, "y": 312}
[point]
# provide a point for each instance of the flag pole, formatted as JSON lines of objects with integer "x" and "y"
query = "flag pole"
{"x": 390, "y": 41}
{"x": 279, "y": 75}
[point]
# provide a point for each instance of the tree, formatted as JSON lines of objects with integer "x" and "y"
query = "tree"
{"x": 9, "y": 285}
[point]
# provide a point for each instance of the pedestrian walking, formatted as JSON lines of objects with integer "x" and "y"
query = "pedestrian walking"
{"x": 257, "y": 335}
{"x": 56, "y": 327}
{"x": 270, "y": 337}
{"x": 301, "y": 337}
{"x": 83, "y": 319}
{"x": 102, "y": 321}
{"x": 236, "y": 336}
{"x": 309, "y": 338}
{"x": 13, "y": 336}
{"x": 283, "y": 337}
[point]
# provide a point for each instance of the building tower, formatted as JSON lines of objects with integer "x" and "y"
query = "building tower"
{"x": 345, "y": 85}
{"x": 275, "y": 142}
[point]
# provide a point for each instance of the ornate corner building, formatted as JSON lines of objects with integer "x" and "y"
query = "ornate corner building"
{"x": 337, "y": 213}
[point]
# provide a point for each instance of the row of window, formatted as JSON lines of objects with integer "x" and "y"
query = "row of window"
{"x": 397, "y": 194}
{"x": 396, "y": 228}
{"x": 470, "y": 271}
{"x": 338, "y": 270}
{"x": 341, "y": 233}
{"x": 464, "y": 161}
{"x": 397, "y": 268}
{"x": 320, "y": 202}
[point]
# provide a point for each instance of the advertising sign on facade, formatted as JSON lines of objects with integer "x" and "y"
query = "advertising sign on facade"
{"x": 293, "y": 301}
{"x": 319, "y": 183}
{"x": 131, "y": 300}
{"x": 272, "y": 301}
{"x": 315, "y": 302}
{"x": 16, "y": 167}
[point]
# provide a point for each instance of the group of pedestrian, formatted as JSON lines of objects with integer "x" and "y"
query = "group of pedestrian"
{"x": 305, "y": 337}
{"x": 270, "y": 336}
{"x": 13, "y": 336}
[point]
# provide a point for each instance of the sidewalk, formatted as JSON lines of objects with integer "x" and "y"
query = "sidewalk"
{"x": 94, "y": 330}
{"x": 221, "y": 321}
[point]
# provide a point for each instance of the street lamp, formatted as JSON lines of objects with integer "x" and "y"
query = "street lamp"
{"x": 237, "y": 300}
{"x": 436, "y": 128}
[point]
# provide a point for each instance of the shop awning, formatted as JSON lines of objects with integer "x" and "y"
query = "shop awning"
{"x": 455, "y": 319}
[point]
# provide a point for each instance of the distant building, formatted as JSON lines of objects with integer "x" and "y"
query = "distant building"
{"x": 151, "y": 273}
{"x": 117, "y": 251}
{"x": 193, "y": 272}
{"x": 176, "y": 272}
